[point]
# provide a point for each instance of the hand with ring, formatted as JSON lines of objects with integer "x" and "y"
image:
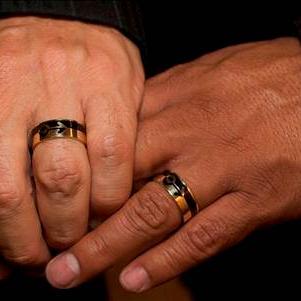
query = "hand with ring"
{"x": 63, "y": 79}
{"x": 227, "y": 127}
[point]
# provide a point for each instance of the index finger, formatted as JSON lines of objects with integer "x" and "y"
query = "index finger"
{"x": 144, "y": 220}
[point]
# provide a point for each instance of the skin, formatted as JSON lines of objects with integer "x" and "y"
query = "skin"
{"x": 229, "y": 124}
{"x": 63, "y": 69}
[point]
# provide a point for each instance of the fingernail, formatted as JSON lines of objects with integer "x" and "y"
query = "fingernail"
{"x": 63, "y": 270}
{"x": 135, "y": 279}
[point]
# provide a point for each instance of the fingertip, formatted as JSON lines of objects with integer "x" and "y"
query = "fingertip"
{"x": 135, "y": 278}
{"x": 63, "y": 271}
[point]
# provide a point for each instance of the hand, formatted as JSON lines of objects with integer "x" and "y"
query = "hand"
{"x": 227, "y": 123}
{"x": 63, "y": 69}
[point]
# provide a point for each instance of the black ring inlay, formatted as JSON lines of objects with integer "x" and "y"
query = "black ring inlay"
{"x": 59, "y": 124}
{"x": 182, "y": 190}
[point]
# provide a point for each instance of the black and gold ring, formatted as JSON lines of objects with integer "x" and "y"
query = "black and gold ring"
{"x": 57, "y": 128}
{"x": 180, "y": 192}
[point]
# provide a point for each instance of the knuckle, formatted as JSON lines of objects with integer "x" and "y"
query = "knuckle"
{"x": 61, "y": 240}
{"x": 98, "y": 246}
{"x": 79, "y": 52}
{"x": 149, "y": 213}
{"x": 170, "y": 258}
{"x": 13, "y": 49}
{"x": 55, "y": 51}
{"x": 14, "y": 31}
{"x": 10, "y": 198}
{"x": 61, "y": 176}
{"x": 29, "y": 256}
{"x": 13, "y": 36}
{"x": 113, "y": 35}
{"x": 59, "y": 52}
{"x": 118, "y": 63}
{"x": 113, "y": 151}
{"x": 63, "y": 233}
{"x": 205, "y": 237}
{"x": 105, "y": 62}
{"x": 106, "y": 202}
{"x": 262, "y": 180}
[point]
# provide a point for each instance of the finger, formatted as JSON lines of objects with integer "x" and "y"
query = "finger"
{"x": 21, "y": 240}
{"x": 222, "y": 224}
{"x": 147, "y": 218}
{"x": 111, "y": 128}
{"x": 60, "y": 166}
{"x": 62, "y": 176}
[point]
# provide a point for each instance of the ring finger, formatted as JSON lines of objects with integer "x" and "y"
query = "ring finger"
{"x": 62, "y": 176}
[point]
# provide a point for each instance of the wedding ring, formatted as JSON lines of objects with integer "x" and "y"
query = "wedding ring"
{"x": 56, "y": 129}
{"x": 180, "y": 193}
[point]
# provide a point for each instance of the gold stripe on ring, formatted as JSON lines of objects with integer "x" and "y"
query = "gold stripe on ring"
{"x": 68, "y": 133}
{"x": 180, "y": 194}
{"x": 56, "y": 129}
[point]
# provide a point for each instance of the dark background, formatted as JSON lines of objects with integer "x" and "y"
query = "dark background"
{"x": 266, "y": 265}
{"x": 178, "y": 31}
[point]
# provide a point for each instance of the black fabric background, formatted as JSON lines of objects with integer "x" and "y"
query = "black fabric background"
{"x": 266, "y": 265}
{"x": 178, "y": 31}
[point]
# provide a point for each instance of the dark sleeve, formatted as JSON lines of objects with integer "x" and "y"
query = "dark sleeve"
{"x": 121, "y": 14}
